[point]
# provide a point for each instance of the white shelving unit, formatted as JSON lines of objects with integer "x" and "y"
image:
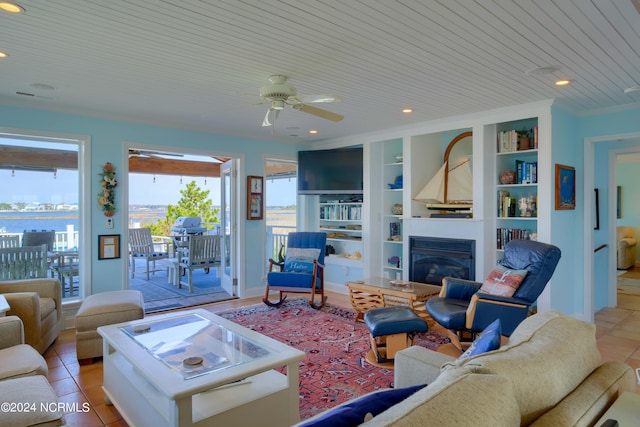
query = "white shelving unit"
{"x": 392, "y": 200}
{"x": 520, "y": 221}
{"x": 342, "y": 221}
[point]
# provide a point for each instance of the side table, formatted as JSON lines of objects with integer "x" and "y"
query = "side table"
{"x": 4, "y": 306}
{"x": 625, "y": 410}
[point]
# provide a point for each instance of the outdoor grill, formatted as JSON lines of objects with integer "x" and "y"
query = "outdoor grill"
{"x": 187, "y": 225}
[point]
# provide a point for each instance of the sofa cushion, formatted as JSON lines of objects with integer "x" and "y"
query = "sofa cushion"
{"x": 488, "y": 340}
{"x": 21, "y": 361}
{"x": 457, "y": 397}
{"x": 35, "y": 391}
{"x": 503, "y": 281}
{"x": 357, "y": 411}
{"x": 548, "y": 351}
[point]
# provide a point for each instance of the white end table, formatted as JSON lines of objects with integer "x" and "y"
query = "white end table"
{"x": 625, "y": 410}
{"x": 4, "y": 306}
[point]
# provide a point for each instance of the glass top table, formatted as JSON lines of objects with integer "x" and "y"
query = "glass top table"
{"x": 196, "y": 368}
{"x": 192, "y": 345}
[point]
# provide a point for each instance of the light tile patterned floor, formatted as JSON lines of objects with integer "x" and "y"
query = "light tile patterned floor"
{"x": 618, "y": 332}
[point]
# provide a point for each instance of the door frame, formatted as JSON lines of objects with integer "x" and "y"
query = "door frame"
{"x": 239, "y": 157}
{"x": 588, "y": 220}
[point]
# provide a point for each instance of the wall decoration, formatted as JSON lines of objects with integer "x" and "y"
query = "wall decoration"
{"x": 107, "y": 195}
{"x": 108, "y": 246}
{"x": 255, "y": 197}
{"x": 565, "y": 187}
{"x": 618, "y": 201}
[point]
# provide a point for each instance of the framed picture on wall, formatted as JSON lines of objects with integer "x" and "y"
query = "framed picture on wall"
{"x": 255, "y": 197}
{"x": 565, "y": 187}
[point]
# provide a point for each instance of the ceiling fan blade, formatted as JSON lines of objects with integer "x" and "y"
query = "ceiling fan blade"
{"x": 319, "y": 112}
{"x": 307, "y": 99}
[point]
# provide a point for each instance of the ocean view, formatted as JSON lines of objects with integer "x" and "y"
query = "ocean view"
{"x": 18, "y": 221}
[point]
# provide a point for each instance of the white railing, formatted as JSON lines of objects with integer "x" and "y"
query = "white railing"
{"x": 276, "y": 239}
{"x": 64, "y": 240}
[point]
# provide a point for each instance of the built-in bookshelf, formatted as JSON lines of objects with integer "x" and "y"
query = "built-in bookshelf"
{"x": 393, "y": 208}
{"x": 516, "y": 181}
{"x": 341, "y": 219}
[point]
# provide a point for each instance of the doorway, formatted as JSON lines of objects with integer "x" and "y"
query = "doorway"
{"x": 600, "y": 267}
{"x": 179, "y": 197}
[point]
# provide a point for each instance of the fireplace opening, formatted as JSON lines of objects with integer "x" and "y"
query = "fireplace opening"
{"x": 433, "y": 258}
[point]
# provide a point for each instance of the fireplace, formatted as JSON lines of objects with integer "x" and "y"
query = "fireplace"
{"x": 432, "y": 258}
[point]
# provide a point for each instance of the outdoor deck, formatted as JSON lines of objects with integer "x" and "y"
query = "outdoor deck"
{"x": 161, "y": 295}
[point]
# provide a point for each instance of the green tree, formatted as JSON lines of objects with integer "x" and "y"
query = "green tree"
{"x": 194, "y": 202}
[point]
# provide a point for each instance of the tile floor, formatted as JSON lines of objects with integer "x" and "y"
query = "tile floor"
{"x": 618, "y": 333}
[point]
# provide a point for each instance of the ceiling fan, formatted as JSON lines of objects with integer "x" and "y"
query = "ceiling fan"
{"x": 279, "y": 94}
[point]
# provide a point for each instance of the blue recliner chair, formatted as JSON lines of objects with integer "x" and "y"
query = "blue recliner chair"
{"x": 464, "y": 310}
{"x": 302, "y": 271}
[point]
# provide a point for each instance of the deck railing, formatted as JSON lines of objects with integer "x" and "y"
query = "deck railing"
{"x": 277, "y": 238}
{"x": 64, "y": 240}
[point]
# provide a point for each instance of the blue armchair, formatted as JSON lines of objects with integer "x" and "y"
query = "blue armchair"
{"x": 464, "y": 310}
{"x": 302, "y": 271}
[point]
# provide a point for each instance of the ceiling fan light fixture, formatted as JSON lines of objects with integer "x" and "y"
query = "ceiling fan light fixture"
{"x": 277, "y": 104}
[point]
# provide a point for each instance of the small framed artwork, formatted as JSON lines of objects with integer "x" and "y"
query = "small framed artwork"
{"x": 108, "y": 246}
{"x": 255, "y": 197}
{"x": 565, "y": 187}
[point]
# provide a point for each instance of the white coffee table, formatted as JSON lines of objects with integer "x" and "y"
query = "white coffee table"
{"x": 148, "y": 381}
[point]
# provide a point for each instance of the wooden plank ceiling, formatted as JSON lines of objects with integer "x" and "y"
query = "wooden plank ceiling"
{"x": 199, "y": 64}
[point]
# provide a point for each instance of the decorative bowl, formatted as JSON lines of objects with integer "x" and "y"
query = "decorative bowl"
{"x": 508, "y": 177}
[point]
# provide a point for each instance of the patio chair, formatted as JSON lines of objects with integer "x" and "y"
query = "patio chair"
{"x": 9, "y": 241}
{"x": 141, "y": 245}
{"x": 39, "y": 237}
{"x": 203, "y": 252}
{"x": 302, "y": 270}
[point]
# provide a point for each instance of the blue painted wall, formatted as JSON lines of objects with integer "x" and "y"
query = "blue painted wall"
{"x": 107, "y": 137}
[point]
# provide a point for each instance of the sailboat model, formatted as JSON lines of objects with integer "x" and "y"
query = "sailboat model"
{"x": 452, "y": 191}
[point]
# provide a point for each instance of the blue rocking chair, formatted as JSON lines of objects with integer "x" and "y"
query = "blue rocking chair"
{"x": 302, "y": 271}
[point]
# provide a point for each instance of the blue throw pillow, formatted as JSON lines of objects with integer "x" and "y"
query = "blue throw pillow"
{"x": 488, "y": 340}
{"x": 354, "y": 413}
{"x": 300, "y": 260}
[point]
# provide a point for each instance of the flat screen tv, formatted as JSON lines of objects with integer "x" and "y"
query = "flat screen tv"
{"x": 336, "y": 171}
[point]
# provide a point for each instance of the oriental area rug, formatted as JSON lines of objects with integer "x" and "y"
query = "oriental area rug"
{"x": 335, "y": 369}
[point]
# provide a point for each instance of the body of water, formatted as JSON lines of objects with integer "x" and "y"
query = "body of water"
{"x": 17, "y": 222}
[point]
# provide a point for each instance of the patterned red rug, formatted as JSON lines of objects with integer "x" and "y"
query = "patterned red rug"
{"x": 335, "y": 369}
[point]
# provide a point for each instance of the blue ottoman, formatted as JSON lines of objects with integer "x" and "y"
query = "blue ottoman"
{"x": 392, "y": 329}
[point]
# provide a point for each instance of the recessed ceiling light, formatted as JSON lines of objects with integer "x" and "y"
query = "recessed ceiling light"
{"x": 563, "y": 82}
{"x": 632, "y": 89}
{"x": 3, "y": 55}
{"x": 407, "y": 110}
{"x": 313, "y": 131}
{"x": 11, "y": 7}
{"x": 541, "y": 70}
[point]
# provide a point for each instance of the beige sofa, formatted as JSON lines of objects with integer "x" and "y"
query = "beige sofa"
{"x": 626, "y": 248}
{"x": 23, "y": 381}
{"x": 38, "y": 303}
{"x": 549, "y": 373}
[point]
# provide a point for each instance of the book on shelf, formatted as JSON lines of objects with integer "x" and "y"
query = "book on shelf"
{"x": 505, "y": 235}
{"x": 394, "y": 229}
{"x": 526, "y": 172}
